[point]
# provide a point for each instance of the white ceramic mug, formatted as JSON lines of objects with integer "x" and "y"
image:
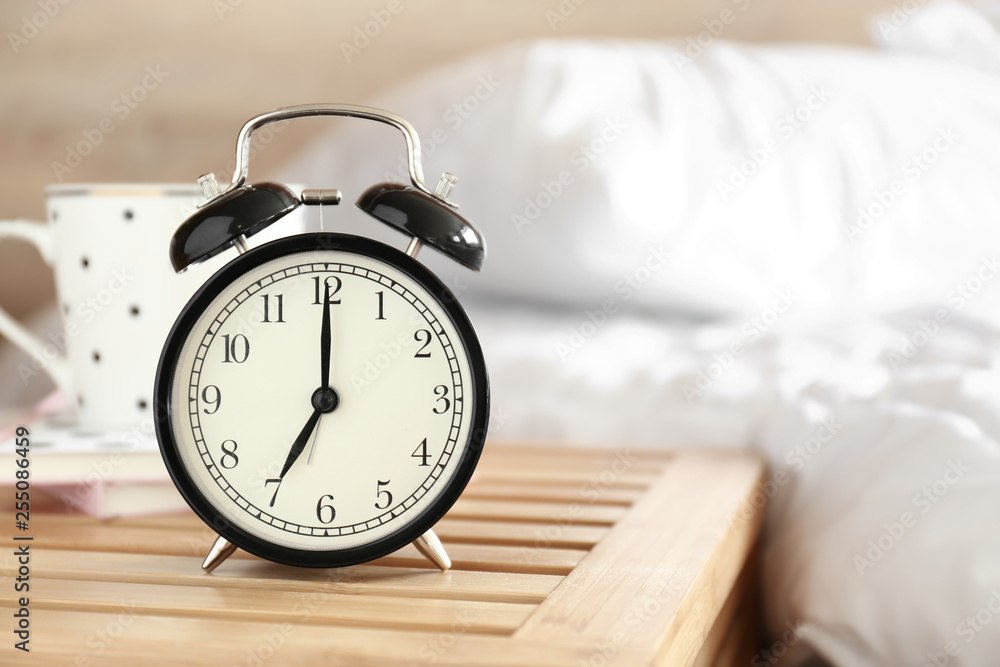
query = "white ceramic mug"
{"x": 118, "y": 294}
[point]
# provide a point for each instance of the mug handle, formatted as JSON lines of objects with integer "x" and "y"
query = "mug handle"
{"x": 40, "y": 236}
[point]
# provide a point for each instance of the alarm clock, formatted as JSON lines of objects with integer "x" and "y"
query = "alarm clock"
{"x": 322, "y": 400}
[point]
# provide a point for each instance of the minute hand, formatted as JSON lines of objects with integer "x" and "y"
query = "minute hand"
{"x": 324, "y": 341}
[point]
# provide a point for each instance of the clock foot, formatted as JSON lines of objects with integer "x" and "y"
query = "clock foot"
{"x": 220, "y": 551}
{"x": 430, "y": 548}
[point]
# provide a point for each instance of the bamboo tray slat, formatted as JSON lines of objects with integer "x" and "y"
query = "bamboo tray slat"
{"x": 510, "y": 533}
{"x": 561, "y": 557}
{"x": 257, "y": 574}
{"x": 156, "y": 640}
{"x": 278, "y": 606}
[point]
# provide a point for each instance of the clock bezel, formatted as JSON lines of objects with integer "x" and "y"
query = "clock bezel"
{"x": 167, "y": 370}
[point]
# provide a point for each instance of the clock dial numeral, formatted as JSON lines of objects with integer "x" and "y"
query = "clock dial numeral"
{"x": 215, "y": 402}
{"x": 280, "y": 300}
{"x": 421, "y": 453}
{"x": 325, "y": 512}
{"x": 380, "y": 493}
{"x": 275, "y": 495}
{"x": 444, "y": 403}
{"x": 333, "y": 284}
{"x": 381, "y": 305}
{"x": 237, "y": 349}
{"x": 229, "y": 458}
{"x": 422, "y": 336}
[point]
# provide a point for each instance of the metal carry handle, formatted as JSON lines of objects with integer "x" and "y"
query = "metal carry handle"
{"x": 349, "y": 110}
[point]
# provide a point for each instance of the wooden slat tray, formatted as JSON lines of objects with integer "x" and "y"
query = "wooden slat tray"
{"x": 561, "y": 556}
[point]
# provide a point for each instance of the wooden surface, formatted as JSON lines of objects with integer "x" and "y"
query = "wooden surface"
{"x": 561, "y": 557}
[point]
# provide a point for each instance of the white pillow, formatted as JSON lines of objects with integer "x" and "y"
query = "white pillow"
{"x": 876, "y": 188}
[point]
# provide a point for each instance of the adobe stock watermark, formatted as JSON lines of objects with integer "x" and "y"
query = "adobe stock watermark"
{"x": 626, "y": 288}
{"x": 913, "y": 170}
{"x": 966, "y": 290}
{"x": 959, "y": 296}
{"x": 900, "y": 15}
{"x": 917, "y": 340}
{"x": 99, "y": 641}
{"x": 797, "y": 458}
{"x": 752, "y": 329}
{"x": 580, "y": 161}
{"x": 121, "y": 108}
{"x": 923, "y": 501}
{"x": 590, "y": 493}
{"x": 434, "y": 648}
{"x": 696, "y": 45}
{"x": 773, "y": 654}
{"x": 35, "y": 23}
{"x": 243, "y": 321}
{"x": 453, "y": 118}
{"x": 365, "y": 34}
{"x": 76, "y": 319}
{"x": 224, "y": 7}
{"x": 497, "y": 420}
{"x": 262, "y": 138}
{"x": 562, "y": 12}
{"x": 498, "y": 417}
{"x": 642, "y": 610}
{"x": 79, "y": 495}
{"x": 966, "y": 630}
{"x": 414, "y": 340}
{"x": 269, "y": 643}
{"x": 785, "y": 128}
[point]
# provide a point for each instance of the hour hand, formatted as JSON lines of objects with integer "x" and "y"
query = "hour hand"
{"x": 300, "y": 442}
{"x": 294, "y": 452}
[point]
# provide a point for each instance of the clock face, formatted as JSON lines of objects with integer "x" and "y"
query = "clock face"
{"x": 325, "y": 400}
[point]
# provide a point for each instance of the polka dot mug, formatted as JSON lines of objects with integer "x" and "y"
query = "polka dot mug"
{"x": 118, "y": 294}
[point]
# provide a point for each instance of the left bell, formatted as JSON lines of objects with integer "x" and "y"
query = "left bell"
{"x": 228, "y": 221}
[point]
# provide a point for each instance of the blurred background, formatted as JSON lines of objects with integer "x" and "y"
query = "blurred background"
{"x": 229, "y": 60}
{"x": 757, "y": 224}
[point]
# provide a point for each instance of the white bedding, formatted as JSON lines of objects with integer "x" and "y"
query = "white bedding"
{"x": 853, "y": 436}
{"x": 858, "y": 354}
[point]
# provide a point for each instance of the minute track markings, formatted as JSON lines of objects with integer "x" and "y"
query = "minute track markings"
{"x": 391, "y": 512}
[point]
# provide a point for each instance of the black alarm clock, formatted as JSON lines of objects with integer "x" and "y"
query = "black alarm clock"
{"x": 269, "y": 417}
